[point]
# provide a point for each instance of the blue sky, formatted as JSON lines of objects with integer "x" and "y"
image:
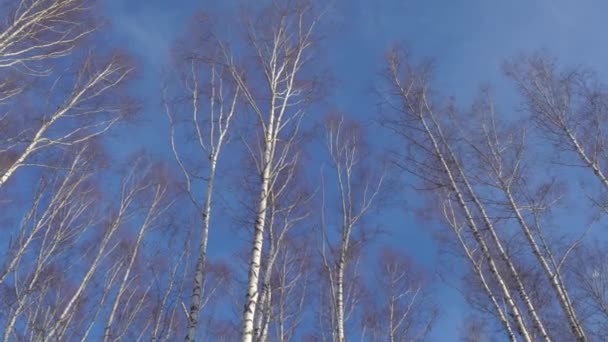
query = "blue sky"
{"x": 468, "y": 39}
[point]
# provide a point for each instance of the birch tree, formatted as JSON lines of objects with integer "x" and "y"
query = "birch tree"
{"x": 291, "y": 283}
{"x": 155, "y": 209}
{"x": 134, "y": 188}
{"x": 35, "y": 32}
{"x": 53, "y": 224}
{"x": 83, "y": 113}
{"x": 281, "y": 39}
{"x": 213, "y": 96}
{"x": 57, "y": 274}
{"x": 568, "y": 106}
{"x": 285, "y": 271}
{"x": 357, "y": 193}
{"x": 38, "y": 39}
{"x": 502, "y": 159}
{"x": 399, "y": 306}
{"x": 588, "y": 271}
{"x": 406, "y": 305}
{"x": 419, "y": 122}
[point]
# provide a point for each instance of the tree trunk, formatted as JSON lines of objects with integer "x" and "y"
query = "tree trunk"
{"x": 477, "y": 235}
{"x": 197, "y": 289}
{"x": 258, "y": 239}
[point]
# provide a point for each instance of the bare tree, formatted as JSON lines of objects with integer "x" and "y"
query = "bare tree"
{"x": 286, "y": 265}
{"x": 417, "y": 120}
{"x": 60, "y": 279}
{"x": 588, "y": 270}
{"x": 57, "y": 217}
{"x": 213, "y": 104}
{"x": 137, "y": 183}
{"x": 357, "y": 192}
{"x": 281, "y": 39}
{"x": 291, "y": 283}
{"x": 569, "y": 106}
{"x": 35, "y": 31}
{"x": 36, "y": 34}
{"x": 407, "y": 307}
{"x": 154, "y": 211}
{"x": 501, "y": 154}
{"x": 80, "y": 117}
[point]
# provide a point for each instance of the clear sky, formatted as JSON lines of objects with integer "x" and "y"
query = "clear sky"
{"x": 469, "y": 39}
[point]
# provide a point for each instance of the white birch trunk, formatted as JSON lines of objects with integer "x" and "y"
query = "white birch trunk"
{"x": 258, "y": 238}
{"x": 197, "y": 289}
{"x": 449, "y": 215}
{"x": 552, "y": 276}
{"x": 265, "y": 298}
{"x": 159, "y": 191}
{"x": 477, "y": 235}
{"x": 340, "y": 297}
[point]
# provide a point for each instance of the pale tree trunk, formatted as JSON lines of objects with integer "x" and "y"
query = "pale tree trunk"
{"x": 197, "y": 289}
{"x": 449, "y": 214}
{"x": 414, "y": 102}
{"x": 224, "y": 118}
{"x": 340, "y": 297}
{"x": 102, "y": 81}
{"x": 263, "y": 320}
{"x": 129, "y": 191}
{"x": 280, "y": 54}
{"x": 67, "y": 204}
{"x": 479, "y": 238}
{"x": 597, "y": 171}
{"x": 343, "y": 145}
{"x": 151, "y": 215}
{"x": 222, "y": 102}
{"x": 552, "y": 99}
{"x": 266, "y": 296}
{"x": 552, "y": 275}
{"x": 63, "y": 196}
{"x": 494, "y": 158}
{"x": 258, "y": 238}
{"x": 156, "y": 330}
{"x": 558, "y": 104}
{"x": 282, "y": 300}
{"x": 490, "y": 226}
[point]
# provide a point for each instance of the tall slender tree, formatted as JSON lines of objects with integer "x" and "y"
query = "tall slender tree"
{"x": 357, "y": 193}
{"x": 212, "y": 97}
{"x": 282, "y": 41}
{"x": 418, "y": 120}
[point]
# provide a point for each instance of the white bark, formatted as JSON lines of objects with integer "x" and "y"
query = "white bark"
{"x": 504, "y": 181}
{"x": 128, "y": 193}
{"x": 478, "y": 237}
{"x": 152, "y": 214}
{"x": 493, "y": 233}
{"x": 52, "y": 30}
{"x": 281, "y": 57}
{"x": 258, "y": 238}
{"x": 450, "y": 216}
{"x": 222, "y": 108}
{"x": 54, "y": 227}
{"x": 343, "y": 148}
{"x": 413, "y": 98}
{"x": 100, "y": 82}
